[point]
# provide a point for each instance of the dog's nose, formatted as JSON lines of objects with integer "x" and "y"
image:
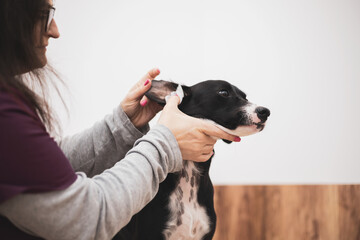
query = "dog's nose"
{"x": 262, "y": 113}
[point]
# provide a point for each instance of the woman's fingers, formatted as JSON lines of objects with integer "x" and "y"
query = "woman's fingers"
{"x": 205, "y": 157}
{"x": 153, "y": 73}
{"x": 140, "y": 89}
{"x": 210, "y": 141}
{"x": 207, "y": 149}
{"x": 173, "y": 102}
{"x": 143, "y": 85}
{"x": 213, "y": 131}
{"x": 144, "y": 101}
{"x": 150, "y": 75}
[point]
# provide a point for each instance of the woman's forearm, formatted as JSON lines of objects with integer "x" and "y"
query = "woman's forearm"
{"x": 101, "y": 146}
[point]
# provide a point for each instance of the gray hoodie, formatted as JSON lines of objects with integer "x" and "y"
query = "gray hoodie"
{"x": 118, "y": 169}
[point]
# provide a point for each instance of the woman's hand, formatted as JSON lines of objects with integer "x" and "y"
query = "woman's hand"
{"x": 196, "y": 138}
{"x": 138, "y": 107}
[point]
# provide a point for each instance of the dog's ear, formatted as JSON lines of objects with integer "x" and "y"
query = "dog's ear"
{"x": 160, "y": 89}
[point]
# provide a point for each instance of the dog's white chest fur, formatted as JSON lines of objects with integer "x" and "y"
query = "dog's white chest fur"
{"x": 188, "y": 220}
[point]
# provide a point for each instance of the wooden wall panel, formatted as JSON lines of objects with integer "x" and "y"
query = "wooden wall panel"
{"x": 326, "y": 212}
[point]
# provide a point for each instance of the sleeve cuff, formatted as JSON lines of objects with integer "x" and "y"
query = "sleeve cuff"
{"x": 123, "y": 120}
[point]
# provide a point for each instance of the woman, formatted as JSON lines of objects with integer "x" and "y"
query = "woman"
{"x": 87, "y": 186}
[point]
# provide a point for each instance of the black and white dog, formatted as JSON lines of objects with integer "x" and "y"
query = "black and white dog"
{"x": 184, "y": 206}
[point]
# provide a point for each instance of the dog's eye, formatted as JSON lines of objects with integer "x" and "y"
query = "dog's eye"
{"x": 223, "y": 93}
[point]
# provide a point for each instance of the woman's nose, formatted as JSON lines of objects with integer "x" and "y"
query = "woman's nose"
{"x": 53, "y": 30}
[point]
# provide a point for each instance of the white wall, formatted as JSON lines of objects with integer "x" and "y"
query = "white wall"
{"x": 301, "y": 59}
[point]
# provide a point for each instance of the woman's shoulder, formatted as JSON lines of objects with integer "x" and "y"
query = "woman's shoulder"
{"x": 14, "y": 105}
{"x": 31, "y": 161}
{"x": 11, "y": 98}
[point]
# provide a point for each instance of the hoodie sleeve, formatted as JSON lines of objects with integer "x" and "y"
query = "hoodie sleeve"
{"x": 100, "y": 147}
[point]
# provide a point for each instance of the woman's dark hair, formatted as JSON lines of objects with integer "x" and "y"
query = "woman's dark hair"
{"x": 18, "y": 19}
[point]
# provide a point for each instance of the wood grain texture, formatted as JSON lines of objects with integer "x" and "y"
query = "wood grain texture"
{"x": 310, "y": 212}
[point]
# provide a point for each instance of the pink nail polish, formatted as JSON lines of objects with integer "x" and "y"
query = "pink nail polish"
{"x": 158, "y": 71}
{"x": 237, "y": 139}
{"x": 143, "y": 103}
{"x": 147, "y": 82}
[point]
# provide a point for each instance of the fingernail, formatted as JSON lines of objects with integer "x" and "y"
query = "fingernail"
{"x": 237, "y": 139}
{"x": 143, "y": 103}
{"x": 158, "y": 71}
{"x": 147, "y": 82}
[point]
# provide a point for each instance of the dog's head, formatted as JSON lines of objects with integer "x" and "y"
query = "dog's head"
{"x": 218, "y": 101}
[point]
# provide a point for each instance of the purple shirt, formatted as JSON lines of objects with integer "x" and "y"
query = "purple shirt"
{"x": 30, "y": 160}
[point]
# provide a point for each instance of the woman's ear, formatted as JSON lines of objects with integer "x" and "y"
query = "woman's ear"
{"x": 160, "y": 89}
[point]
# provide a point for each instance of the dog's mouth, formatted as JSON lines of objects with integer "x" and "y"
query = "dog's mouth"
{"x": 242, "y": 130}
{"x": 245, "y": 127}
{"x": 260, "y": 126}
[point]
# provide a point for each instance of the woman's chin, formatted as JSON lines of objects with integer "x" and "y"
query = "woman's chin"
{"x": 41, "y": 63}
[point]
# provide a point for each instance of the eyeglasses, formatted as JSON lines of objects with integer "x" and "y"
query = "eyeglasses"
{"x": 49, "y": 17}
